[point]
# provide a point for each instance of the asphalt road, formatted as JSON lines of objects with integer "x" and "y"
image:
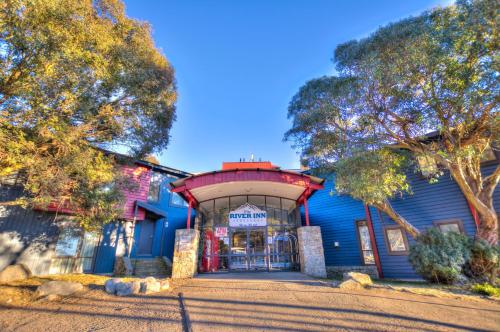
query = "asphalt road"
{"x": 256, "y": 302}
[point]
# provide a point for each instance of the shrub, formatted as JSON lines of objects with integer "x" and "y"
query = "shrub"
{"x": 440, "y": 257}
{"x": 484, "y": 261}
{"x": 486, "y": 289}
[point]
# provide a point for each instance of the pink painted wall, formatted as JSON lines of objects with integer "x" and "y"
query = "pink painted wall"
{"x": 140, "y": 176}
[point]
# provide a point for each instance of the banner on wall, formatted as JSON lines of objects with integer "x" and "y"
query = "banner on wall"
{"x": 247, "y": 215}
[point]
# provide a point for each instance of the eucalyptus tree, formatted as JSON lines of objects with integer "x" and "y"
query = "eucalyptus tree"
{"x": 76, "y": 76}
{"x": 426, "y": 86}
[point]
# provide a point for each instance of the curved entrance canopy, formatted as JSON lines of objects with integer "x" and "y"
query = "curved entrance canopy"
{"x": 247, "y": 181}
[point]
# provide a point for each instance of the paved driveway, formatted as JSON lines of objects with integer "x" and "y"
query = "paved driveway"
{"x": 257, "y": 302}
{"x": 295, "y": 302}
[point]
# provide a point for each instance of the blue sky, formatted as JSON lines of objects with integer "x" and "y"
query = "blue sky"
{"x": 238, "y": 63}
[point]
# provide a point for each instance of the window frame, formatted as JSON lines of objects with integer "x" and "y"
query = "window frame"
{"x": 171, "y": 203}
{"x": 459, "y": 223}
{"x": 77, "y": 233}
{"x": 161, "y": 178}
{"x": 363, "y": 222}
{"x": 388, "y": 245}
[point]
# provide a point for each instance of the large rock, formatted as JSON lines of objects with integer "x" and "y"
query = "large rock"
{"x": 14, "y": 272}
{"x": 350, "y": 284}
{"x": 128, "y": 288}
{"x": 165, "y": 284}
{"x": 62, "y": 288}
{"x": 150, "y": 285}
{"x": 110, "y": 285}
{"x": 361, "y": 278}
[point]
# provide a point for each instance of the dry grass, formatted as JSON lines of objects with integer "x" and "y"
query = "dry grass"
{"x": 22, "y": 292}
{"x": 423, "y": 288}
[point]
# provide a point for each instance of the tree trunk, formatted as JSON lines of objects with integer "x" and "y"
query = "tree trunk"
{"x": 387, "y": 208}
{"x": 482, "y": 202}
{"x": 488, "y": 229}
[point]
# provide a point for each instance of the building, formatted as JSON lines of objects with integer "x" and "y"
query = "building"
{"x": 48, "y": 242}
{"x": 248, "y": 216}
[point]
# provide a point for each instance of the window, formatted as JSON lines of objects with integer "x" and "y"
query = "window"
{"x": 68, "y": 242}
{"x": 365, "y": 242}
{"x": 177, "y": 200}
{"x": 395, "y": 239}
{"x": 450, "y": 226}
{"x": 427, "y": 165}
{"x": 155, "y": 187}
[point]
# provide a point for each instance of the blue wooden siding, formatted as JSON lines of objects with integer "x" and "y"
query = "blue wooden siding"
{"x": 106, "y": 250}
{"x": 337, "y": 215}
{"x": 164, "y": 235}
{"x": 428, "y": 204}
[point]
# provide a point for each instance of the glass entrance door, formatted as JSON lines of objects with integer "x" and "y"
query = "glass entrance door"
{"x": 248, "y": 249}
{"x": 257, "y": 249}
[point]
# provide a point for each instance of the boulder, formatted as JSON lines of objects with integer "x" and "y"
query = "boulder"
{"x": 128, "y": 288}
{"x": 61, "y": 288}
{"x": 165, "y": 284}
{"x": 150, "y": 285}
{"x": 14, "y": 272}
{"x": 361, "y": 278}
{"x": 350, "y": 284}
{"x": 110, "y": 285}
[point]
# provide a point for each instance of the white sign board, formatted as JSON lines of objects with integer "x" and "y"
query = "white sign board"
{"x": 247, "y": 215}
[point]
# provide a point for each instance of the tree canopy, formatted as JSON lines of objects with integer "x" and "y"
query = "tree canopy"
{"x": 427, "y": 84}
{"x": 76, "y": 76}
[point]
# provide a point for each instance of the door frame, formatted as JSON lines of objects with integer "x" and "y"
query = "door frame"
{"x": 247, "y": 255}
{"x": 153, "y": 223}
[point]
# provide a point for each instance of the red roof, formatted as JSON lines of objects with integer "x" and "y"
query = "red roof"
{"x": 248, "y": 164}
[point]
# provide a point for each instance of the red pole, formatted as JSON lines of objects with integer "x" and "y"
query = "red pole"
{"x": 306, "y": 210}
{"x": 188, "y": 221}
{"x": 374, "y": 243}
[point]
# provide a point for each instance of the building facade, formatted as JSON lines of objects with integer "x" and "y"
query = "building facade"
{"x": 248, "y": 216}
{"x": 47, "y": 241}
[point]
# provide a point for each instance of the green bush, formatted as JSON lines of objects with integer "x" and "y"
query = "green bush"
{"x": 440, "y": 257}
{"x": 486, "y": 289}
{"x": 484, "y": 261}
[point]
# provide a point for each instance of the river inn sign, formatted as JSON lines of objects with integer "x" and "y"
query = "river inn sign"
{"x": 247, "y": 215}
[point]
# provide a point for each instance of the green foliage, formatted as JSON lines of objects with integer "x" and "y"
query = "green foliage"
{"x": 76, "y": 75}
{"x": 437, "y": 72}
{"x": 372, "y": 176}
{"x": 484, "y": 261}
{"x": 439, "y": 257}
{"x": 486, "y": 289}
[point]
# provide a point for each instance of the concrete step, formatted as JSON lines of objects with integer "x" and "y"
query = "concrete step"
{"x": 156, "y": 267}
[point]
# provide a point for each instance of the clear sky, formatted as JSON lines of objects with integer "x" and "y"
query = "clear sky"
{"x": 238, "y": 63}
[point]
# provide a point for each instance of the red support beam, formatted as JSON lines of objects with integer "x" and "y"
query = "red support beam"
{"x": 373, "y": 241}
{"x": 188, "y": 221}
{"x": 306, "y": 208}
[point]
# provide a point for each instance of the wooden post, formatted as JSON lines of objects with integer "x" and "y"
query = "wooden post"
{"x": 372, "y": 240}
{"x": 306, "y": 208}
{"x": 188, "y": 221}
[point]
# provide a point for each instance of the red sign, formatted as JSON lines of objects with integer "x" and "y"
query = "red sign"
{"x": 220, "y": 231}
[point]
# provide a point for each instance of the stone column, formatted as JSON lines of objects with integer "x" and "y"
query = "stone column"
{"x": 185, "y": 264}
{"x": 312, "y": 257}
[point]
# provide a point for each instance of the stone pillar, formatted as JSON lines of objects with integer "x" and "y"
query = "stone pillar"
{"x": 312, "y": 257}
{"x": 185, "y": 264}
